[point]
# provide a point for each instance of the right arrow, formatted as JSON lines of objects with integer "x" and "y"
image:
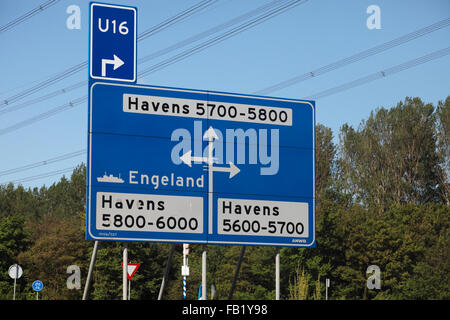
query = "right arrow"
{"x": 117, "y": 62}
{"x": 232, "y": 169}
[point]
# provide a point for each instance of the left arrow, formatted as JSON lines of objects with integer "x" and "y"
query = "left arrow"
{"x": 187, "y": 158}
{"x": 117, "y": 62}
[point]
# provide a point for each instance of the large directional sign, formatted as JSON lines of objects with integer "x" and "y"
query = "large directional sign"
{"x": 112, "y": 44}
{"x": 192, "y": 166}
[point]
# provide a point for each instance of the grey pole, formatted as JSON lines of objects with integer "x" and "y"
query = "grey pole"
{"x": 125, "y": 272}
{"x": 204, "y": 289}
{"x": 236, "y": 273}
{"x": 277, "y": 274}
{"x": 91, "y": 268}
{"x": 15, "y": 279}
{"x": 166, "y": 272}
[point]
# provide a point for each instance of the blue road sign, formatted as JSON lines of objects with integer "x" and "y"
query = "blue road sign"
{"x": 112, "y": 44}
{"x": 37, "y": 285}
{"x": 192, "y": 166}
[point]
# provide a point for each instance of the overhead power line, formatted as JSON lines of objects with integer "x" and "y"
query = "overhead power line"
{"x": 178, "y": 45}
{"x": 360, "y": 81}
{"x": 40, "y": 176}
{"x": 77, "y": 68}
{"x": 283, "y": 84}
{"x": 285, "y": 5}
{"x": 357, "y": 57}
{"x": 209, "y": 32}
{"x": 175, "y": 19}
{"x": 43, "y": 163}
{"x": 270, "y": 14}
{"x": 27, "y": 15}
{"x": 66, "y": 106}
{"x": 381, "y": 74}
{"x": 346, "y": 86}
{"x": 44, "y": 115}
{"x": 58, "y": 77}
{"x": 43, "y": 98}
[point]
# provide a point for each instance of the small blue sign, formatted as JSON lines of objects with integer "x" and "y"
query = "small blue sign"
{"x": 37, "y": 285}
{"x": 200, "y": 293}
{"x": 112, "y": 45}
{"x": 193, "y": 166}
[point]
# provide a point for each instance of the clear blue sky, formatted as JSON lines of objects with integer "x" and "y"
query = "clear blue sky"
{"x": 298, "y": 41}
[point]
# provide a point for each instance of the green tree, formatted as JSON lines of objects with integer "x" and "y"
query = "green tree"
{"x": 14, "y": 239}
{"x": 325, "y": 159}
{"x": 299, "y": 289}
{"x": 67, "y": 197}
{"x": 57, "y": 244}
{"x": 443, "y": 138}
{"x": 107, "y": 273}
{"x": 430, "y": 278}
{"x": 392, "y": 157}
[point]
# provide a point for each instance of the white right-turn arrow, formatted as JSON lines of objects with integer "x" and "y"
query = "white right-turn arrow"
{"x": 117, "y": 62}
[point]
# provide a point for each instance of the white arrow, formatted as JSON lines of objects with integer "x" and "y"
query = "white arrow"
{"x": 210, "y": 134}
{"x": 187, "y": 158}
{"x": 232, "y": 169}
{"x": 117, "y": 62}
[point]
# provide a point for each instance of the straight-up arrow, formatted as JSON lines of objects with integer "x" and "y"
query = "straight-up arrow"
{"x": 210, "y": 135}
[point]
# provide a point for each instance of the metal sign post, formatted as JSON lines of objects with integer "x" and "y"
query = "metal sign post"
{"x": 91, "y": 269}
{"x": 185, "y": 267}
{"x": 204, "y": 287}
{"x": 125, "y": 272}
{"x": 277, "y": 274}
{"x": 236, "y": 272}
{"x": 15, "y": 279}
{"x": 327, "y": 285}
{"x": 15, "y": 272}
{"x": 129, "y": 289}
{"x": 166, "y": 272}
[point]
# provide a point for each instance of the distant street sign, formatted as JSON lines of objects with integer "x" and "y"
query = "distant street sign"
{"x": 131, "y": 269}
{"x": 37, "y": 285}
{"x": 112, "y": 47}
{"x": 15, "y": 271}
{"x": 192, "y": 166}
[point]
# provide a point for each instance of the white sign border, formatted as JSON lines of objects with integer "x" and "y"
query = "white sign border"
{"x": 91, "y": 25}
{"x": 303, "y": 245}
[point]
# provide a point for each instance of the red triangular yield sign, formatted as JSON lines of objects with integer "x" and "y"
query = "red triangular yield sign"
{"x": 132, "y": 268}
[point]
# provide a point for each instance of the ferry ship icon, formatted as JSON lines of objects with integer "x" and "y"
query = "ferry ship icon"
{"x": 110, "y": 178}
